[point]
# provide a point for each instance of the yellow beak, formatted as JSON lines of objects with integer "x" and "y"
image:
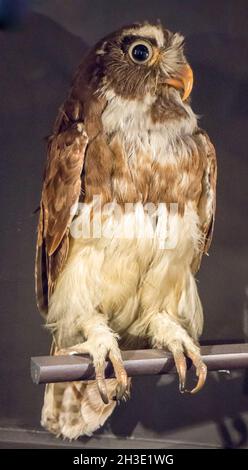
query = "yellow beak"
{"x": 183, "y": 80}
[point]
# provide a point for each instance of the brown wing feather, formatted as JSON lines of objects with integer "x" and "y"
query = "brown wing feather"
{"x": 207, "y": 202}
{"x": 61, "y": 190}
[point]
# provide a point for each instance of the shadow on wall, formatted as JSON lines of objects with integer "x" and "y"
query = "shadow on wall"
{"x": 36, "y": 68}
{"x": 220, "y": 83}
{"x": 37, "y": 63}
{"x": 222, "y": 402}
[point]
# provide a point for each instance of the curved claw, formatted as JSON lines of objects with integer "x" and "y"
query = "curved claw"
{"x": 201, "y": 371}
{"x": 101, "y": 385}
{"x": 121, "y": 376}
{"x": 181, "y": 366}
{"x": 122, "y": 389}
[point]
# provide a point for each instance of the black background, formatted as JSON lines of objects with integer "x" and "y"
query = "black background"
{"x": 36, "y": 64}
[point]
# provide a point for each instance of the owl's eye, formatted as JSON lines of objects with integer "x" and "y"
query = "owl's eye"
{"x": 140, "y": 52}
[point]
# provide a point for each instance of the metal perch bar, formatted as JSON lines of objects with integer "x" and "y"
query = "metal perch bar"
{"x": 50, "y": 369}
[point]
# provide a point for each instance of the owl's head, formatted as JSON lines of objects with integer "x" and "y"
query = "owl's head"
{"x": 141, "y": 59}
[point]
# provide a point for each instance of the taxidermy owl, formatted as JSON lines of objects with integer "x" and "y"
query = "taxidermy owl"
{"x": 126, "y": 213}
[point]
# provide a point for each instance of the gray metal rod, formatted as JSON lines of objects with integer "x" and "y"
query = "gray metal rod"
{"x": 50, "y": 369}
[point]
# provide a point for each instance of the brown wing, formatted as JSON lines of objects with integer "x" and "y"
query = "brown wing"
{"x": 207, "y": 201}
{"x": 61, "y": 190}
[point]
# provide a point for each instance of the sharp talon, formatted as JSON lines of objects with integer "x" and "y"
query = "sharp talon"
{"x": 201, "y": 372}
{"x": 122, "y": 389}
{"x": 182, "y": 387}
{"x": 104, "y": 397}
{"x": 101, "y": 384}
{"x": 121, "y": 376}
{"x": 201, "y": 381}
{"x": 122, "y": 392}
{"x": 116, "y": 399}
{"x": 181, "y": 366}
{"x": 127, "y": 395}
{"x": 102, "y": 390}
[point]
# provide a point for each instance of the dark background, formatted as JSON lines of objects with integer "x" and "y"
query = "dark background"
{"x": 36, "y": 64}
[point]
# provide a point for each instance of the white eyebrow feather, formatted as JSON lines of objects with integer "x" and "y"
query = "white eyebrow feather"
{"x": 148, "y": 31}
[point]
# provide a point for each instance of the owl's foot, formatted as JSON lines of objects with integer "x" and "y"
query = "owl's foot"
{"x": 166, "y": 333}
{"x": 181, "y": 366}
{"x": 99, "y": 353}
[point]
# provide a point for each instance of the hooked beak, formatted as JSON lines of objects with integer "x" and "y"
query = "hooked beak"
{"x": 183, "y": 80}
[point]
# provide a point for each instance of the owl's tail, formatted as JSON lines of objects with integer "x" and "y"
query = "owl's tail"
{"x": 74, "y": 409}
